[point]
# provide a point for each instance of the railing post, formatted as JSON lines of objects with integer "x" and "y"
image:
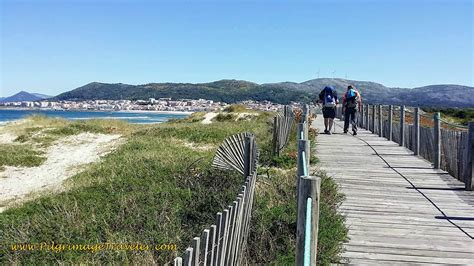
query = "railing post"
{"x": 390, "y": 122}
{"x": 437, "y": 140}
{"x": 416, "y": 129}
{"x": 367, "y": 125}
{"x": 362, "y": 116}
{"x": 305, "y": 112}
{"x": 307, "y": 220}
{"x": 300, "y": 131}
{"x": 373, "y": 118}
{"x": 470, "y": 163}
{"x": 303, "y": 146}
{"x": 380, "y": 121}
{"x": 402, "y": 125}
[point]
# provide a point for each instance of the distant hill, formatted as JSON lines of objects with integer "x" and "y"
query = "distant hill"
{"x": 231, "y": 91}
{"x": 24, "y": 96}
{"x": 42, "y": 96}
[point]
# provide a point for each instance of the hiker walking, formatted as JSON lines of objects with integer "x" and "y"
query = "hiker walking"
{"x": 328, "y": 98}
{"x": 351, "y": 104}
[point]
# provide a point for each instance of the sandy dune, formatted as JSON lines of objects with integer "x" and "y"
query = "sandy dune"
{"x": 208, "y": 117}
{"x": 63, "y": 159}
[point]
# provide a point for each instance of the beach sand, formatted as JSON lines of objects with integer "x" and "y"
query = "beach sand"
{"x": 64, "y": 159}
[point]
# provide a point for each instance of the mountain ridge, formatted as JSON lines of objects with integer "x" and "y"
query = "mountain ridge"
{"x": 24, "y": 96}
{"x": 232, "y": 90}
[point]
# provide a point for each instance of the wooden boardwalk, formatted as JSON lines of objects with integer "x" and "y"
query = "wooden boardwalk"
{"x": 399, "y": 209}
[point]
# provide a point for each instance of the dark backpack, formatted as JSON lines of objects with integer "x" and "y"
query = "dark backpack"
{"x": 351, "y": 99}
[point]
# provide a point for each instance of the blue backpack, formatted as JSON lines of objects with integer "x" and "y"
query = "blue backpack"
{"x": 329, "y": 100}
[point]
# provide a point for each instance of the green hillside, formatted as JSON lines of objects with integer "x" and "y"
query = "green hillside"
{"x": 231, "y": 91}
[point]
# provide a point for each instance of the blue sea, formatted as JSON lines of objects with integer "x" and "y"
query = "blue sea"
{"x": 132, "y": 117}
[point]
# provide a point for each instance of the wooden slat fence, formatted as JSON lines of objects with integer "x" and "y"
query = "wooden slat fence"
{"x": 282, "y": 124}
{"x": 448, "y": 146}
{"x": 224, "y": 242}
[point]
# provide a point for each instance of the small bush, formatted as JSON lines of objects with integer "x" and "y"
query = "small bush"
{"x": 236, "y": 108}
{"x": 225, "y": 117}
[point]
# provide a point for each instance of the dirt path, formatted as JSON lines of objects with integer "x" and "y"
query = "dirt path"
{"x": 63, "y": 161}
{"x": 208, "y": 117}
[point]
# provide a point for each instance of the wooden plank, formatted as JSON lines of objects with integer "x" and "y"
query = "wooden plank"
{"x": 395, "y": 201}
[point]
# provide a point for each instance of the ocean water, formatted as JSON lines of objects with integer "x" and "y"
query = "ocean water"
{"x": 131, "y": 117}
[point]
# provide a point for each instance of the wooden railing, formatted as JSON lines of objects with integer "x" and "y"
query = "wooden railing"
{"x": 308, "y": 196}
{"x": 448, "y": 146}
{"x": 224, "y": 242}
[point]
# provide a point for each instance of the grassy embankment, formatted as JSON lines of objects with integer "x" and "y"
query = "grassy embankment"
{"x": 159, "y": 188}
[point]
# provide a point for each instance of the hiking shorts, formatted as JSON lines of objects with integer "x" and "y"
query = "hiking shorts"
{"x": 329, "y": 112}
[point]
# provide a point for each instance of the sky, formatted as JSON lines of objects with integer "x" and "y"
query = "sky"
{"x": 55, "y": 46}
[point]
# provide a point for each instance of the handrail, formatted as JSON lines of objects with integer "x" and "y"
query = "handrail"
{"x": 308, "y": 191}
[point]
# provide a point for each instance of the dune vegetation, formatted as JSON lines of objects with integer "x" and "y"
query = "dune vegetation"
{"x": 159, "y": 188}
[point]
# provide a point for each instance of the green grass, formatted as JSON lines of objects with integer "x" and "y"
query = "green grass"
{"x": 19, "y": 155}
{"x": 156, "y": 189}
{"x": 153, "y": 189}
{"x": 272, "y": 238}
{"x": 41, "y": 131}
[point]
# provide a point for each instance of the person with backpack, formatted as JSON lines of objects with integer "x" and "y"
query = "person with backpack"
{"x": 351, "y": 105}
{"x": 328, "y": 98}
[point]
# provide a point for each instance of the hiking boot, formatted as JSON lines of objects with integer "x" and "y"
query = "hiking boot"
{"x": 354, "y": 133}
{"x": 345, "y": 131}
{"x": 326, "y": 131}
{"x": 329, "y": 132}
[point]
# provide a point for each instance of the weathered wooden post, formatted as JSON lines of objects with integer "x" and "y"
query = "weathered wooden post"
{"x": 188, "y": 257}
{"x": 402, "y": 125}
{"x": 206, "y": 247}
{"x": 380, "y": 121}
{"x": 178, "y": 261}
{"x": 470, "y": 163}
{"x": 276, "y": 144}
{"x": 196, "y": 250}
{"x": 362, "y": 116}
{"x": 303, "y": 146}
{"x": 248, "y": 158}
{"x": 367, "y": 125}
{"x": 390, "y": 122}
{"x": 373, "y": 119}
{"x": 300, "y": 131}
{"x": 416, "y": 130}
{"x": 307, "y": 220}
{"x": 437, "y": 140}
{"x": 305, "y": 114}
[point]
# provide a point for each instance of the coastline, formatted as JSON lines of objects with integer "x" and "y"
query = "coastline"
{"x": 105, "y": 111}
{"x": 126, "y": 115}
